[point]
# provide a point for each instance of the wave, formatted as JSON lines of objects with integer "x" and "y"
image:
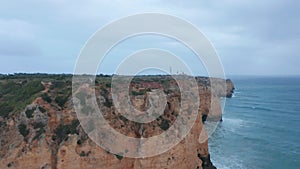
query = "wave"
{"x": 261, "y": 120}
{"x": 233, "y": 121}
{"x": 233, "y": 125}
{"x": 224, "y": 163}
{"x": 265, "y": 108}
{"x": 254, "y": 107}
{"x": 262, "y": 108}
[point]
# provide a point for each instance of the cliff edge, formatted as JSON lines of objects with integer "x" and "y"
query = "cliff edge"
{"x": 39, "y": 126}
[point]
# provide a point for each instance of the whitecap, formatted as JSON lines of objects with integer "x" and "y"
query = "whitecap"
{"x": 228, "y": 162}
{"x": 233, "y": 121}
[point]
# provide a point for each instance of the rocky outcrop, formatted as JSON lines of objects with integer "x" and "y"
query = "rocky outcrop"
{"x": 47, "y": 133}
{"x": 230, "y": 88}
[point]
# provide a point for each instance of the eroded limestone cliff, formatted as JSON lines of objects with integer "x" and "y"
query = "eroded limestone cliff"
{"x": 46, "y": 134}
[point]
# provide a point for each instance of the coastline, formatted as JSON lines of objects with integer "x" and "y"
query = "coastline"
{"x": 47, "y": 127}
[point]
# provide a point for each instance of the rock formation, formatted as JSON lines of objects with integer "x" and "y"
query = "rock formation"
{"x": 46, "y": 133}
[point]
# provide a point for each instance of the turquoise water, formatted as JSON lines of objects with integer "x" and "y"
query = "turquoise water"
{"x": 261, "y": 127}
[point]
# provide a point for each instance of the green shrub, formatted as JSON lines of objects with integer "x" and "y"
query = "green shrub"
{"x": 46, "y": 98}
{"x": 57, "y": 84}
{"x": 23, "y": 130}
{"x": 40, "y": 129}
{"x": 29, "y": 113}
{"x": 164, "y": 125}
{"x": 84, "y": 154}
{"x": 61, "y": 100}
{"x": 62, "y": 131}
{"x": 135, "y": 93}
{"x": 87, "y": 109}
{"x": 119, "y": 156}
{"x": 82, "y": 97}
{"x": 108, "y": 85}
{"x": 39, "y": 132}
{"x": 16, "y": 95}
{"x": 37, "y": 125}
{"x": 108, "y": 103}
{"x": 42, "y": 109}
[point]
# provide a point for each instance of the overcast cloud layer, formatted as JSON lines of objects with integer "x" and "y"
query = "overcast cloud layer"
{"x": 252, "y": 37}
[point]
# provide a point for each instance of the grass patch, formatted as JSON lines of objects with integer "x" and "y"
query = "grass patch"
{"x": 16, "y": 95}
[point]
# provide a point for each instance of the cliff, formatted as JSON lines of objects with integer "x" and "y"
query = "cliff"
{"x": 40, "y": 129}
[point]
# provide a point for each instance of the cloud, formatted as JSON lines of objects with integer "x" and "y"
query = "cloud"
{"x": 17, "y": 38}
{"x": 247, "y": 33}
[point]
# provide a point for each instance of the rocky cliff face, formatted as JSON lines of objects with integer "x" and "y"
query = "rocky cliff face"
{"x": 46, "y": 133}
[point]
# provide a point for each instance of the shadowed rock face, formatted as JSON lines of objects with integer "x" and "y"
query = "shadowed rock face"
{"x": 230, "y": 88}
{"x": 46, "y": 133}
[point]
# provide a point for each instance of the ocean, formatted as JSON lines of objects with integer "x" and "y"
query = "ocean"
{"x": 261, "y": 125}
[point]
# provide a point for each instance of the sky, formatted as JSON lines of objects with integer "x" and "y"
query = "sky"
{"x": 252, "y": 37}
